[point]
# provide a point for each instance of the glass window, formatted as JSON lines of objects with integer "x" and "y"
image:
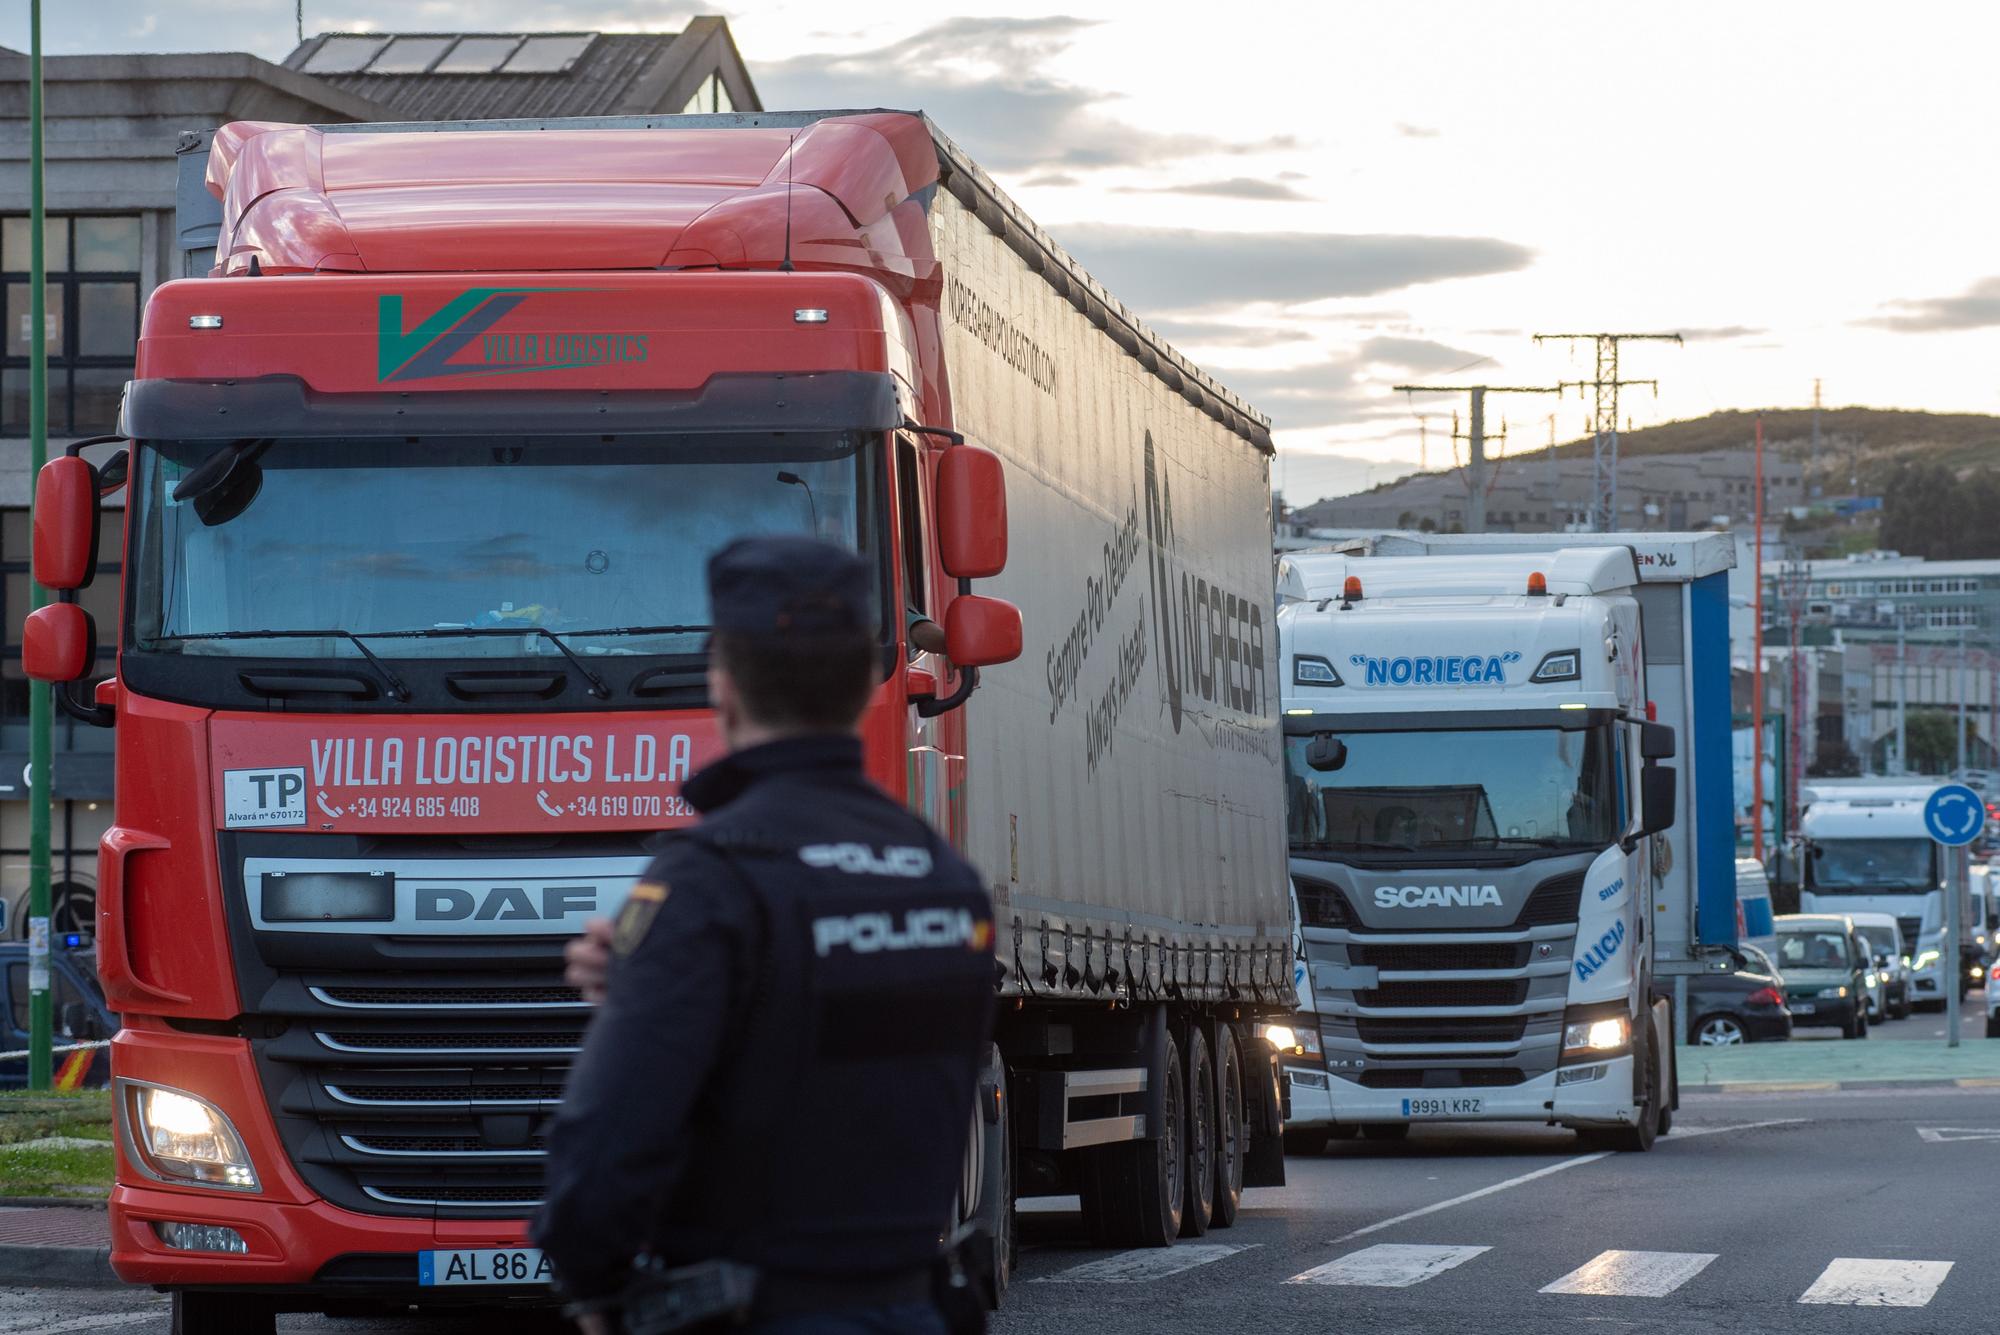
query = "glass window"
{"x": 21, "y": 320}
{"x": 603, "y": 542}
{"x": 477, "y": 55}
{"x": 107, "y": 319}
{"x": 910, "y": 518}
{"x": 1881, "y": 866}
{"x": 549, "y": 54}
{"x": 1484, "y": 788}
{"x": 343, "y": 55}
{"x": 14, "y": 236}
{"x": 97, "y": 391}
{"x": 62, "y": 992}
{"x": 409, "y": 55}
{"x": 705, "y": 98}
{"x": 107, "y": 245}
{"x": 1813, "y": 950}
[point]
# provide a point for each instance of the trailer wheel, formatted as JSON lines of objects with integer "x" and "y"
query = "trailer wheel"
{"x": 1134, "y": 1193}
{"x": 223, "y": 1314}
{"x": 1200, "y": 1208}
{"x": 1232, "y": 1131}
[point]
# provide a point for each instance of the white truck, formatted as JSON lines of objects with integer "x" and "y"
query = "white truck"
{"x": 1494, "y": 891}
{"x": 1865, "y": 850}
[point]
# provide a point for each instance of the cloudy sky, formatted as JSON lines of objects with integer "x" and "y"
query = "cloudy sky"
{"x": 1320, "y": 200}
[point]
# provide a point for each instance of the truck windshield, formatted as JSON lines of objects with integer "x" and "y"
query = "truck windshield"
{"x": 601, "y": 540}
{"x": 1497, "y": 788}
{"x": 1876, "y": 866}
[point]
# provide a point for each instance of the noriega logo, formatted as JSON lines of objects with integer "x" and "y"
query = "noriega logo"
{"x": 464, "y": 324}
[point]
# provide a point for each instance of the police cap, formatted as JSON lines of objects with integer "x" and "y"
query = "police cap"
{"x": 782, "y": 585}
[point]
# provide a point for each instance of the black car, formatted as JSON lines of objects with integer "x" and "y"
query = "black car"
{"x": 1737, "y": 998}
{"x": 77, "y": 1012}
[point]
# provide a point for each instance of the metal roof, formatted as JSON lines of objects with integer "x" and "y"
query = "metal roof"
{"x": 484, "y": 75}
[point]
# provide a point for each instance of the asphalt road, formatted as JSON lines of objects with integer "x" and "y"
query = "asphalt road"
{"x": 1775, "y": 1213}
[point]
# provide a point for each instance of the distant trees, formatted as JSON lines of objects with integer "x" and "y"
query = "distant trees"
{"x": 1930, "y": 511}
{"x": 1932, "y": 736}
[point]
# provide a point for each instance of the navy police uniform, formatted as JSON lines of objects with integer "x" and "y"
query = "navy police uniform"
{"x": 782, "y": 1073}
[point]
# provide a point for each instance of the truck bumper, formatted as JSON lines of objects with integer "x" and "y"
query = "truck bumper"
{"x": 1312, "y": 1099}
{"x": 1603, "y": 1098}
{"x": 313, "y": 1247}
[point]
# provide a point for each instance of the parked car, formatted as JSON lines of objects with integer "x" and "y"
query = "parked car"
{"x": 1738, "y": 999}
{"x": 77, "y": 1012}
{"x": 1825, "y": 968}
{"x": 1890, "y": 958}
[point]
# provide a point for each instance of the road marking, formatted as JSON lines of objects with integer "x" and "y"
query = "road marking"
{"x": 1945, "y": 1135}
{"x": 1977, "y": 1082}
{"x": 1678, "y": 1133}
{"x": 1147, "y": 1263}
{"x": 1856, "y": 1281}
{"x": 1475, "y": 1195}
{"x": 1389, "y": 1265}
{"x": 1633, "y": 1274}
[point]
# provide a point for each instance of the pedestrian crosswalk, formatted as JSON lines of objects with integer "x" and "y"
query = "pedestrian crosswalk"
{"x": 1848, "y": 1281}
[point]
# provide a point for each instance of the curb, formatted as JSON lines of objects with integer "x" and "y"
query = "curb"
{"x": 54, "y": 1202}
{"x": 1841, "y": 1086}
{"x": 82, "y": 1267}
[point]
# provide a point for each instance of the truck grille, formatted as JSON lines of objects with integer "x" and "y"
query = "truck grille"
{"x": 1910, "y": 927}
{"x": 1443, "y": 1029}
{"x": 1477, "y": 992}
{"x": 1441, "y": 958}
{"x": 427, "y": 1095}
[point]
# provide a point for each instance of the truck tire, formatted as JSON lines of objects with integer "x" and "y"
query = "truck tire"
{"x": 223, "y": 1314}
{"x": 1133, "y": 1193}
{"x": 1640, "y": 1135}
{"x": 1199, "y": 1209}
{"x": 996, "y": 1165}
{"x": 1232, "y": 1129}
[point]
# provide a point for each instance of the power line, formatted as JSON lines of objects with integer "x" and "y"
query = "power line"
{"x": 1604, "y": 419}
{"x": 1476, "y": 438}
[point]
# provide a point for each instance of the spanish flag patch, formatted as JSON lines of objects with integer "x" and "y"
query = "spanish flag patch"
{"x": 636, "y": 916}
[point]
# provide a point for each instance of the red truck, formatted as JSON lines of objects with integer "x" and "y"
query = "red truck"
{"x": 421, "y": 482}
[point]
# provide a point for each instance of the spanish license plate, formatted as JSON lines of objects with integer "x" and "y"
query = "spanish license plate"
{"x": 1441, "y": 1107}
{"x": 1802, "y": 1008}
{"x": 485, "y": 1265}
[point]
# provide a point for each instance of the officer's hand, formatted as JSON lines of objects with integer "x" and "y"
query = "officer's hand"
{"x": 593, "y": 1323}
{"x": 589, "y": 961}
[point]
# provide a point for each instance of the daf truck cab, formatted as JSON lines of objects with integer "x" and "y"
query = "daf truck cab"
{"x": 1474, "y": 792}
{"x": 1866, "y": 851}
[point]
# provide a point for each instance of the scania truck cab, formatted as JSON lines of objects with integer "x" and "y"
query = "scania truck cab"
{"x": 1474, "y": 787}
{"x": 1866, "y": 850}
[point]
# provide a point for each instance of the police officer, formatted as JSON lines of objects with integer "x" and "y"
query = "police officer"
{"x": 795, "y": 999}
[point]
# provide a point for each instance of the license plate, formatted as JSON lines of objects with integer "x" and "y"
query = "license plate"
{"x": 1802, "y": 1008}
{"x": 1441, "y": 1107}
{"x": 485, "y": 1265}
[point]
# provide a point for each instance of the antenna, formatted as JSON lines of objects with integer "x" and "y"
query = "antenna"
{"x": 786, "y": 265}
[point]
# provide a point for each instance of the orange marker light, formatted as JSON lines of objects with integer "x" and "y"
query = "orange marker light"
{"x": 1538, "y": 587}
{"x": 1352, "y": 588}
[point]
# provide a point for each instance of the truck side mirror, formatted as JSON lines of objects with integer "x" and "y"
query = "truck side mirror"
{"x": 1656, "y": 799}
{"x": 66, "y": 516}
{"x": 58, "y": 643}
{"x": 980, "y": 631}
{"x": 1326, "y": 752}
{"x": 971, "y": 515}
{"x": 1656, "y": 741}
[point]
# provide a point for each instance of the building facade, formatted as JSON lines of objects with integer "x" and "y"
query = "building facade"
{"x": 111, "y": 126}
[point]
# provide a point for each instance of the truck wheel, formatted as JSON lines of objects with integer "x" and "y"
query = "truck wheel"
{"x": 996, "y": 1201}
{"x": 1305, "y": 1140}
{"x": 1386, "y": 1131}
{"x": 1993, "y": 1026}
{"x": 223, "y": 1314}
{"x": 1638, "y": 1137}
{"x": 1232, "y": 1130}
{"x": 1133, "y": 1193}
{"x": 1200, "y": 1207}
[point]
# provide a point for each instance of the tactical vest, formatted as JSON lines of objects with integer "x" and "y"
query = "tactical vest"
{"x": 832, "y": 1140}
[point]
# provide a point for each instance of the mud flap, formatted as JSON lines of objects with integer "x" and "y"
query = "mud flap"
{"x": 1264, "y": 1113}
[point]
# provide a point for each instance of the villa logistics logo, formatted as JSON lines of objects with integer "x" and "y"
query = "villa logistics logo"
{"x": 437, "y": 345}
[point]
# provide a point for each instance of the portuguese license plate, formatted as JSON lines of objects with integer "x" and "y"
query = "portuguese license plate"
{"x": 483, "y": 1265}
{"x": 1802, "y": 1008}
{"x": 1441, "y": 1107}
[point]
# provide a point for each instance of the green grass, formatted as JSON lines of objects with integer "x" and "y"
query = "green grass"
{"x": 43, "y": 1170}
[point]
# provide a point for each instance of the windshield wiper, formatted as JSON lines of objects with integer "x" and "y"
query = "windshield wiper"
{"x": 598, "y": 689}
{"x": 397, "y": 691}
{"x": 1532, "y": 840}
{"x": 644, "y": 630}
{"x": 1373, "y": 845}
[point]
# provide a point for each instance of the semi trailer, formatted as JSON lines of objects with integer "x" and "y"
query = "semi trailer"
{"x": 1500, "y": 875}
{"x": 423, "y": 467}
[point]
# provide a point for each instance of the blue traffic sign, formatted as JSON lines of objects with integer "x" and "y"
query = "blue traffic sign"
{"x": 1955, "y": 815}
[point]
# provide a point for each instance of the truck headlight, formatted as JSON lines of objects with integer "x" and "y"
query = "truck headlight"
{"x": 1586, "y": 1038}
{"x": 1302, "y": 1042}
{"x": 181, "y": 1138}
{"x": 1925, "y": 959}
